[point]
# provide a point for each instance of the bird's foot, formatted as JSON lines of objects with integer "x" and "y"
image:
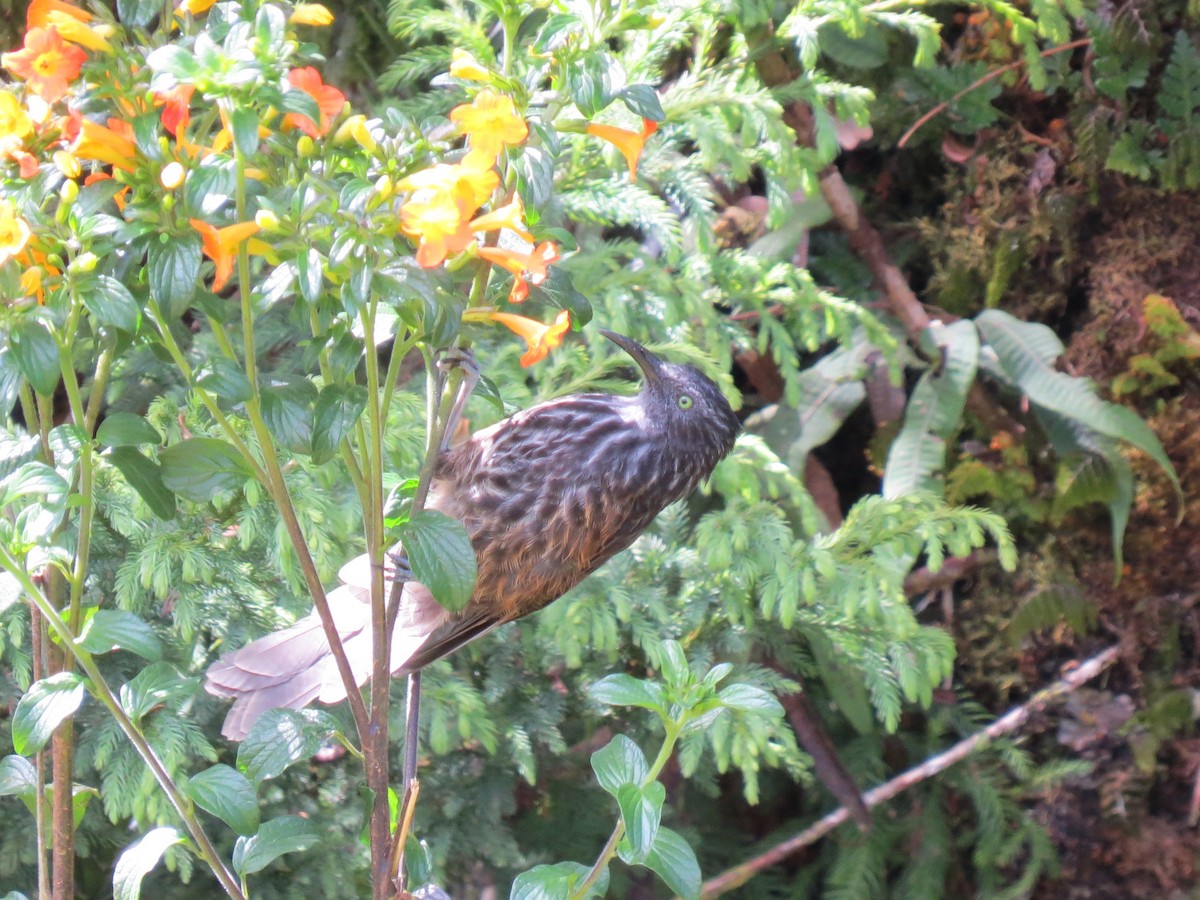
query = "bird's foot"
{"x": 448, "y": 360}
{"x": 397, "y": 568}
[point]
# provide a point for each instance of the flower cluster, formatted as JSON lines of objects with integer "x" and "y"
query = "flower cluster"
{"x": 452, "y": 211}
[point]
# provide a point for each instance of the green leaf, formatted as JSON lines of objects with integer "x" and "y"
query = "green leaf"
{"x": 152, "y": 687}
{"x": 864, "y": 51}
{"x": 110, "y": 629}
{"x": 33, "y": 479}
{"x": 641, "y": 811}
{"x": 144, "y": 476}
{"x": 110, "y": 303}
{"x": 535, "y": 177}
{"x": 210, "y": 186}
{"x": 558, "y": 290}
{"x": 173, "y": 272}
{"x": 200, "y": 468}
{"x": 139, "y": 858}
{"x": 18, "y": 777}
{"x": 556, "y": 882}
{"x": 243, "y": 123}
{"x": 619, "y": 762}
{"x": 281, "y": 737}
{"x": 642, "y": 100}
{"x": 36, "y": 353}
{"x": 338, "y": 408}
{"x": 288, "y": 834}
{"x": 310, "y": 270}
{"x": 122, "y": 429}
{"x": 441, "y": 557}
{"x": 918, "y": 454}
{"x": 591, "y": 84}
{"x": 287, "y": 408}
{"x": 625, "y": 690}
{"x": 43, "y": 708}
{"x": 672, "y": 859}
{"x": 226, "y": 379}
{"x": 750, "y": 699}
{"x": 673, "y": 663}
{"x": 228, "y": 795}
{"x": 139, "y": 13}
{"x": 1016, "y": 344}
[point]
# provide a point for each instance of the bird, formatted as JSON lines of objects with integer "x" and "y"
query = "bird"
{"x": 546, "y": 496}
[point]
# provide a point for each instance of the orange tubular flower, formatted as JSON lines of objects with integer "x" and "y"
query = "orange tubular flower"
{"x": 628, "y": 142}
{"x": 176, "y": 108}
{"x": 541, "y": 339}
{"x": 439, "y": 211}
{"x": 45, "y": 63}
{"x": 329, "y": 100}
{"x": 221, "y": 245}
{"x": 527, "y": 268}
{"x": 112, "y": 145}
{"x": 14, "y": 232}
{"x": 490, "y": 123}
{"x": 510, "y": 216}
{"x": 39, "y": 13}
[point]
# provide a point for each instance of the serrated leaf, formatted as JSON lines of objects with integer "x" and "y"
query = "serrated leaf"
{"x": 557, "y": 882}
{"x": 625, "y": 690}
{"x": 138, "y": 859}
{"x": 151, "y": 687}
{"x": 641, "y": 811}
{"x": 281, "y": 737}
{"x": 441, "y": 557}
{"x": 228, "y": 795}
{"x": 200, "y": 468}
{"x": 35, "y": 352}
{"x": 122, "y": 429}
{"x": 110, "y": 629}
{"x": 144, "y": 476}
{"x": 43, "y": 708}
{"x": 619, "y": 762}
{"x": 672, "y": 859}
{"x": 111, "y": 303}
{"x": 173, "y": 272}
{"x": 287, "y": 408}
{"x": 750, "y": 699}
{"x": 337, "y": 409}
{"x": 288, "y": 834}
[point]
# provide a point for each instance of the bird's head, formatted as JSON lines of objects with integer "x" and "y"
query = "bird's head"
{"x": 683, "y": 404}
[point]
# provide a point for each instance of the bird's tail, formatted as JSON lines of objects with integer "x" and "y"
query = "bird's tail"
{"x": 294, "y": 667}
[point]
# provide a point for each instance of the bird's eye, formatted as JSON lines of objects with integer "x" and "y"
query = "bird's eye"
{"x": 685, "y": 402}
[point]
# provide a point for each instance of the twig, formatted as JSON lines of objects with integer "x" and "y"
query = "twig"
{"x": 980, "y": 82}
{"x": 1006, "y": 724}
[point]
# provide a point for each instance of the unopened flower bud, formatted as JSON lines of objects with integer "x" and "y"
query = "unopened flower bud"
{"x": 305, "y": 146}
{"x": 68, "y": 192}
{"x": 172, "y": 175}
{"x": 84, "y": 262}
{"x": 266, "y": 220}
{"x": 384, "y": 187}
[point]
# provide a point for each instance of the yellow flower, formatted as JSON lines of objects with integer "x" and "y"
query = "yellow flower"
{"x": 221, "y": 246}
{"x": 510, "y": 216}
{"x": 630, "y": 143}
{"x": 195, "y": 7}
{"x": 111, "y": 144}
{"x": 31, "y": 283}
{"x": 66, "y": 163}
{"x": 310, "y": 14}
{"x": 438, "y": 212}
{"x": 355, "y": 128}
{"x": 540, "y": 339}
{"x": 527, "y": 268}
{"x": 14, "y": 120}
{"x": 491, "y": 123}
{"x": 466, "y": 67}
{"x": 77, "y": 31}
{"x": 14, "y": 232}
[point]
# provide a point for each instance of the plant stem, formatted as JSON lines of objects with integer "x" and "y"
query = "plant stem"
{"x": 674, "y": 729}
{"x": 100, "y": 689}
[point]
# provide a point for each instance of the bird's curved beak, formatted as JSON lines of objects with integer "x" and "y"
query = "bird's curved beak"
{"x": 650, "y": 364}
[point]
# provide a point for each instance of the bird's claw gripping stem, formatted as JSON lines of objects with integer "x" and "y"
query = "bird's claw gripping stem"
{"x": 449, "y": 359}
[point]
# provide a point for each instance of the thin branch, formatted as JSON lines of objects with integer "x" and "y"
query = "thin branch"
{"x": 980, "y": 82}
{"x": 1006, "y": 724}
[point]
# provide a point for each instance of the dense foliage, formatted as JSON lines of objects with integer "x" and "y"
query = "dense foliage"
{"x": 191, "y": 451}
